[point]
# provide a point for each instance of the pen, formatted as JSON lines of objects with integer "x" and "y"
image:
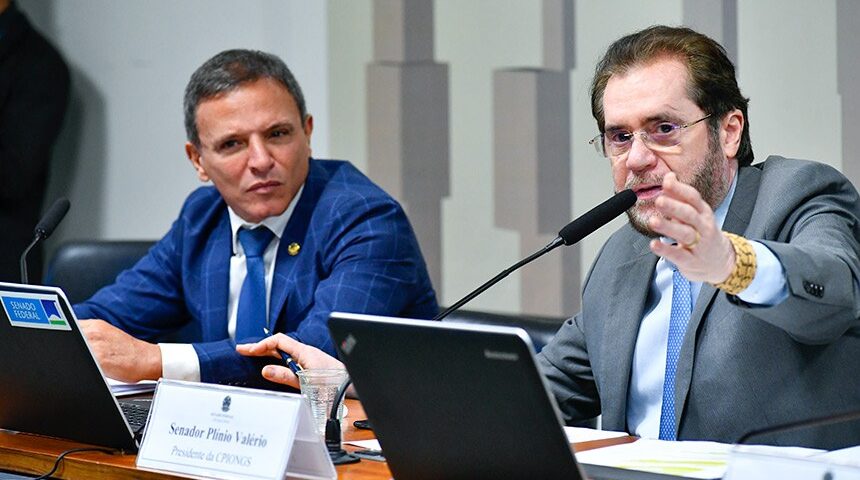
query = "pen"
{"x": 288, "y": 360}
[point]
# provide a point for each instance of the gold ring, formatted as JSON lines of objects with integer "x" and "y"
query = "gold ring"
{"x": 689, "y": 246}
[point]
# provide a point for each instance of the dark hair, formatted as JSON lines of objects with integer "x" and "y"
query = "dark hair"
{"x": 711, "y": 76}
{"x": 227, "y": 71}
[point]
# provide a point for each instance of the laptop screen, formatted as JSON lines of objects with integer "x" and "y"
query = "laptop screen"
{"x": 454, "y": 400}
{"x": 52, "y": 385}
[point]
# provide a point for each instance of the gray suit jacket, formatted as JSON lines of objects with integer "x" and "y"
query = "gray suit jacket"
{"x": 740, "y": 367}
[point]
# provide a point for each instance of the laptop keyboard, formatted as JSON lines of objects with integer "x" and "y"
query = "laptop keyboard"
{"x": 136, "y": 412}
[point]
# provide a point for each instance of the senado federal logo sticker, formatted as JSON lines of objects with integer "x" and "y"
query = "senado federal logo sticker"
{"x": 30, "y": 310}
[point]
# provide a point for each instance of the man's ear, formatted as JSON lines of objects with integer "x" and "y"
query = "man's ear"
{"x": 308, "y": 126}
{"x": 731, "y": 128}
{"x": 194, "y": 156}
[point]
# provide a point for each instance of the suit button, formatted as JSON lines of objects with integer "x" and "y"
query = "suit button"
{"x": 813, "y": 289}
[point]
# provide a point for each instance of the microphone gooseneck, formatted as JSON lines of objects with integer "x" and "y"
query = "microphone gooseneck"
{"x": 800, "y": 425}
{"x": 44, "y": 229}
{"x": 568, "y": 235}
{"x": 338, "y": 455}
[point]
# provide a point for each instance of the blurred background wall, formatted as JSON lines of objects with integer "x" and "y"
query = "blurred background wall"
{"x": 445, "y": 103}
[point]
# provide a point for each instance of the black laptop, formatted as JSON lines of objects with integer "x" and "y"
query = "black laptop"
{"x": 451, "y": 400}
{"x": 51, "y": 384}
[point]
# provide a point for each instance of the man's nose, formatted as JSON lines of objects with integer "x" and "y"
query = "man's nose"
{"x": 640, "y": 157}
{"x": 259, "y": 157}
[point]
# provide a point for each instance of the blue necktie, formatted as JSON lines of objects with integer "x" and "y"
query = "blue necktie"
{"x": 251, "y": 317}
{"x": 682, "y": 307}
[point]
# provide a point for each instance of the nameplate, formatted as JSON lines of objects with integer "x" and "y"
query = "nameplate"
{"x": 223, "y": 432}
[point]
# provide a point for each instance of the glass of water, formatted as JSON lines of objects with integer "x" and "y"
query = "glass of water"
{"x": 320, "y": 387}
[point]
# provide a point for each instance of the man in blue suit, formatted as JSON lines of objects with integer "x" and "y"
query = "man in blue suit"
{"x": 278, "y": 243}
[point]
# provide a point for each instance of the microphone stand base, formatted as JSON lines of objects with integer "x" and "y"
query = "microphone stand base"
{"x": 343, "y": 457}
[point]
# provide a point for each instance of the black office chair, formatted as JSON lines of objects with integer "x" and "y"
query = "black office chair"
{"x": 540, "y": 328}
{"x": 82, "y": 267}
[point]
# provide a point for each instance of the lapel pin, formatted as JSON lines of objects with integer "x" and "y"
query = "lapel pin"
{"x": 293, "y": 249}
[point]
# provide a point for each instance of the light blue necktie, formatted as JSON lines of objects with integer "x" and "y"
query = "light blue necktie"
{"x": 682, "y": 307}
{"x": 251, "y": 317}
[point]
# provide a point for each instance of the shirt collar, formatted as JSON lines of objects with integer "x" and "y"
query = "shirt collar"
{"x": 277, "y": 224}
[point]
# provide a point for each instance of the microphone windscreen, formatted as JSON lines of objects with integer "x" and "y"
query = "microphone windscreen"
{"x": 51, "y": 219}
{"x": 597, "y": 217}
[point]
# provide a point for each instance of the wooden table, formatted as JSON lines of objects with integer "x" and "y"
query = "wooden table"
{"x": 35, "y": 455}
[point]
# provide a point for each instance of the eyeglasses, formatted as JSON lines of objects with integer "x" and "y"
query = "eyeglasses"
{"x": 656, "y": 136}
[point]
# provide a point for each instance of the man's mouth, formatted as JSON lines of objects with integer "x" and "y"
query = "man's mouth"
{"x": 647, "y": 192}
{"x": 264, "y": 187}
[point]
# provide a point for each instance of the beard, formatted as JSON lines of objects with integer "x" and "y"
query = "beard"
{"x": 709, "y": 179}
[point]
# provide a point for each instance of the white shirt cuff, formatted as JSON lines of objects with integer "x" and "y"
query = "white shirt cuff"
{"x": 179, "y": 362}
{"x": 768, "y": 287}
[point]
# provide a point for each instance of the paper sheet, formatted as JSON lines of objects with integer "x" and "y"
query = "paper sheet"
{"x": 846, "y": 456}
{"x": 122, "y": 389}
{"x": 705, "y": 460}
{"x": 372, "y": 444}
{"x": 790, "y": 463}
{"x": 574, "y": 434}
{"x": 794, "y": 452}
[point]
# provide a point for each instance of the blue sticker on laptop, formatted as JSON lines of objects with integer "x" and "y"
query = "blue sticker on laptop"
{"x": 34, "y": 311}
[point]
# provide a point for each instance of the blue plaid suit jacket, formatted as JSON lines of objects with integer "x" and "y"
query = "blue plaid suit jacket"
{"x": 358, "y": 254}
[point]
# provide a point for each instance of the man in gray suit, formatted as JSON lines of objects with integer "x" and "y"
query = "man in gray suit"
{"x": 730, "y": 300}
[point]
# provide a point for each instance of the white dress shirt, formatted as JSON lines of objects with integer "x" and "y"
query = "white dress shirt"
{"x": 179, "y": 360}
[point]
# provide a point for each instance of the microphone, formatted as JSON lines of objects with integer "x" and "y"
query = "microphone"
{"x": 44, "y": 229}
{"x": 597, "y": 217}
{"x": 570, "y": 234}
{"x": 338, "y": 455}
{"x": 55, "y": 215}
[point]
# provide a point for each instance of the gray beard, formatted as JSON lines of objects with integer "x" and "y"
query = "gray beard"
{"x": 710, "y": 180}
